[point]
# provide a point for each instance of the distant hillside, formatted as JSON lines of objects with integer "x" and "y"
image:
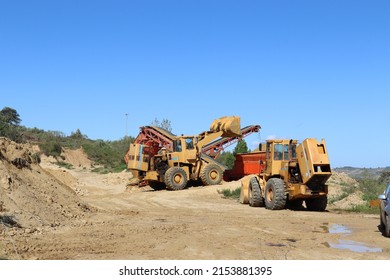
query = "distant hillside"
{"x": 360, "y": 173}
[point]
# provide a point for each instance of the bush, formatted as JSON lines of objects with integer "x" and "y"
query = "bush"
{"x": 227, "y": 159}
{"x": 65, "y": 165}
{"x": 364, "y": 209}
{"x": 110, "y": 154}
{"x": 51, "y": 148}
{"x": 232, "y": 194}
{"x": 371, "y": 187}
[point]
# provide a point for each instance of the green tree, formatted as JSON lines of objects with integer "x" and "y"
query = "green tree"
{"x": 10, "y": 116}
{"x": 78, "y": 135}
{"x": 384, "y": 178}
{"x": 227, "y": 158}
{"x": 9, "y": 121}
{"x": 165, "y": 124}
{"x": 241, "y": 147}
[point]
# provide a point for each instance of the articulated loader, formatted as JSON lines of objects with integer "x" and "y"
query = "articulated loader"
{"x": 294, "y": 173}
{"x": 185, "y": 162}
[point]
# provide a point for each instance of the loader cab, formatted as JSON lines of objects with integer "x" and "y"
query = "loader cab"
{"x": 183, "y": 149}
{"x": 278, "y": 155}
{"x": 184, "y": 144}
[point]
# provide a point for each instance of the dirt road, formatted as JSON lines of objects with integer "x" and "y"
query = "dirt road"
{"x": 196, "y": 223}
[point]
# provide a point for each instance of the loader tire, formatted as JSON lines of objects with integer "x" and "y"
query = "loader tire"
{"x": 175, "y": 179}
{"x": 275, "y": 194}
{"x": 157, "y": 186}
{"x": 211, "y": 174}
{"x": 317, "y": 203}
{"x": 295, "y": 204}
{"x": 254, "y": 197}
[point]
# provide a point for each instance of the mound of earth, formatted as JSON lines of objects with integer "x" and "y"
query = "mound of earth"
{"x": 30, "y": 197}
{"x": 76, "y": 158}
{"x": 336, "y": 187}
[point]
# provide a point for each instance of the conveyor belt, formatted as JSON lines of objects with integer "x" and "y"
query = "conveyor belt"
{"x": 158, "y": 135}
{"x": 216, "y": 147}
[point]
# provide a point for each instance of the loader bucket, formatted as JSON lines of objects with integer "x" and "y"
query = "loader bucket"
{"x": 230, "y": 126}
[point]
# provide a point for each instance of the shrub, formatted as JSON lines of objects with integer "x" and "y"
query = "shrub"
{"x": 51, "y": 148}
{"x": 232, "y": 194}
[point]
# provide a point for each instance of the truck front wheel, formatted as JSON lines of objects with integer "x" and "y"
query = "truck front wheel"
{"x": 211, "y": 174}
{"x": 254, "y": 197}
{"x": 275, "y": 194}
{"x": 175, "y": 178}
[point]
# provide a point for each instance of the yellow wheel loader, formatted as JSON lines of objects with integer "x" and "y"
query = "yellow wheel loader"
{"x": 186, "y": 162}
{"x": 294, "y": 173}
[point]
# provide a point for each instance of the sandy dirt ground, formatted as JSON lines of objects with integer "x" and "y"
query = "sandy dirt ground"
{"x": 98, "y": 218}
{"x": 195, "y": 224}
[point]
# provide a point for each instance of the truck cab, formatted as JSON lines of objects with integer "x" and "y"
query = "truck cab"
{"x": 281, "y": 156}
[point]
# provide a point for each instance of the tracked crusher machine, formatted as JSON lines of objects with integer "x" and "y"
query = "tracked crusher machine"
{"x": 163, "y": 160}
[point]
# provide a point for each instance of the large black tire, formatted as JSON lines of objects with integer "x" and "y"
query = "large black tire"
{"x": 386, "y": 229}
{"x": 295, "y": 204}
{"x": 382, "y": 215}
{"x": 211, "y": 174}
{"x": 254, "y": 197}
{"x": 175, "y": 178}
{"x": 275, "y": 194}
{"x": 157, "y": 186}
{"x": 317, "y": 203}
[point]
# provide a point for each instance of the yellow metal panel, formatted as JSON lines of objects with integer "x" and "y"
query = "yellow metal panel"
{"x": 244, "y": 195}
{"x": 313, "y": 159}
{"x": 137, "y": 160}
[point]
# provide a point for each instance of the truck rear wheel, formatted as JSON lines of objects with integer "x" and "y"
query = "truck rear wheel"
{"x": 295, "y": 204}
{"x": 175, "y": 178}
{"x": 155, "y": 185}
{"x": 275, "y": 194}
{"x": 254, "y": 197}
{"x": 211, "y": 174}
{"x": 317, "y": 203}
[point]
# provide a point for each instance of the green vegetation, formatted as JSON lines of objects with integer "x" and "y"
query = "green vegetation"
{"x": 346, "y": 191}
{"x": 64, "y": 165}
{"x": 232, "y": 194}
{"x": 109, "y": 154}
{"x": 227, "y": 158}
{"x": 364, "y": 209}
{"x": 9, "y": 122}
{"x": 370, "y": 186}
{"x": 241, "y": 148}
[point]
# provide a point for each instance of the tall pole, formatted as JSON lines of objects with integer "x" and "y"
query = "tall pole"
{"x": 126, "y": 123}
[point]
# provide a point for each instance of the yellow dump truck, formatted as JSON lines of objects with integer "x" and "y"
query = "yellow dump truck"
{"x": 294, "y": 173}
{"x": 185, "y": 162}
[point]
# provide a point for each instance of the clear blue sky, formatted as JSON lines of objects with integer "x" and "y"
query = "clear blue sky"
{"x": 298, "y": 68}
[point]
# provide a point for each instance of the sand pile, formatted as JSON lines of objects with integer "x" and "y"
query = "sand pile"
{"x": 339, "y": 185}
{"x": 30, "y": 197}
